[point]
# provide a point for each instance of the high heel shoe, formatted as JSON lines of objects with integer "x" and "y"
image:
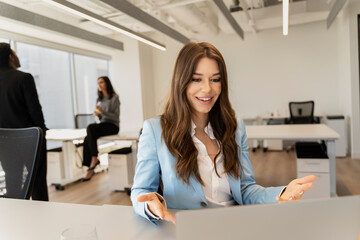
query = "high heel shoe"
{"x": 92, "y": 168}
{"x": 89, "y": 178}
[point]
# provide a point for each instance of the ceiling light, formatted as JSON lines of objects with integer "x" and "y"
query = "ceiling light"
{"x": 105, "y": 24}
{"x": 285, "y": 17}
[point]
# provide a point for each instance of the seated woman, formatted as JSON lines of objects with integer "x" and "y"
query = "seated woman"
{"x": 197, "y": 146}
{"x": 108, "y": 111}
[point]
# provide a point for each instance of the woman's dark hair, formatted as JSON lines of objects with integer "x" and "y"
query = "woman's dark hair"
{"x": 5, "y": 52}
{"x": 109, "y": 88}
{"x": 176, "y": 119}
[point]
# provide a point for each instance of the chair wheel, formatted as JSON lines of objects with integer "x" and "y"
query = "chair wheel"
{"x": 128, "y": 191}
{"x": 59, "y": 187}
{"x": 265, "y": 149}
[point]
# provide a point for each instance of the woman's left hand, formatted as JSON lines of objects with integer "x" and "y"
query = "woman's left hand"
{"x": 296, "y": 188}
{"x": 99, "y": 109}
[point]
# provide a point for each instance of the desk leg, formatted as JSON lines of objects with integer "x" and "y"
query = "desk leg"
{"x": 67, "y": 153}
{"x": 332, "y": 161}
{"x": 72, "y": 172}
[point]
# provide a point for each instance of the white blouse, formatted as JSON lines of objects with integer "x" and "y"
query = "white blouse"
{"x": 216, "y": 189}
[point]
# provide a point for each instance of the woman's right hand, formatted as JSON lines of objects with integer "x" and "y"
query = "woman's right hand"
{"x": 156, "y": 207}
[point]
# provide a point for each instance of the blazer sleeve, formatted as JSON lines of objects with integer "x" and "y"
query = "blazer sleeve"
{"x": 251, "y": 192}
{"x": 32, "y": 102}
{"x": 147, "y": 170}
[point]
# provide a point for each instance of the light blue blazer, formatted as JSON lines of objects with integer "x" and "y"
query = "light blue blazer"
{"x": 154, "y": 160}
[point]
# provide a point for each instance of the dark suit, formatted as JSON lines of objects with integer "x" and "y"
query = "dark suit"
{"x": 20, "y": 108}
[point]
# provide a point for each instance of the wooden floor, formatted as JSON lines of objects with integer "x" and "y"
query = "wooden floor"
{"x": 271, "y": 169}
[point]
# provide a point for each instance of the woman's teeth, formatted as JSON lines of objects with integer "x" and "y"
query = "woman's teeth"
{"x": 204, "y": 99}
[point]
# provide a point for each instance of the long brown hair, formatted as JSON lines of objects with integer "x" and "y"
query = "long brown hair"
{"x": 109, "y": 88}
{"x": 176, "y": 119}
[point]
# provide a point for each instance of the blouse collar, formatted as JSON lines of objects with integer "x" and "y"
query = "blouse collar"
{"x": 208, "y": 130}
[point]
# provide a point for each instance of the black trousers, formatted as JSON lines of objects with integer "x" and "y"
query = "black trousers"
{"x": 40, "y": 189}
{"x": 94, "y": 131}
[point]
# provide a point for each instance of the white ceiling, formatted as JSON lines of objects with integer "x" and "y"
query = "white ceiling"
{"x": 193, "y": 18}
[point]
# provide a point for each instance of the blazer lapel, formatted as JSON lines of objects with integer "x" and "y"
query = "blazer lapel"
{"x": 235, "y": 188}
{"x": 198, "y": 188}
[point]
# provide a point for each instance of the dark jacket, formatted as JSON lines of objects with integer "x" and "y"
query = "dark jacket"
{"x": 19, "y": 102}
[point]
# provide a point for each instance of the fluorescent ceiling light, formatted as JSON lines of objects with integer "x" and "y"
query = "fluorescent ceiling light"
{"x": 285, "y": 17}
{"x": 105, "y": 24}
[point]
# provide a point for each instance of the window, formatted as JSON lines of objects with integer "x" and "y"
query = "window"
{"x": 87, "y": 71}
{"x": 66, "y": 82}
{"x": 4, "y": 40}
{"x": 52, "y": 73}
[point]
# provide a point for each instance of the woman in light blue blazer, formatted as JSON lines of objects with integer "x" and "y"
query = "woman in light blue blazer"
{"x": 196, "y": 148}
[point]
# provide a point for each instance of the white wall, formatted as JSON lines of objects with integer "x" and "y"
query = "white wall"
{"x": 344, "y": 77}
{"x": 125, "y": 73}
{"x": 147, "y": 86}
{"x": 354, "y": 10}
{"x": 268, "y": 70}
{"x": 124, "y": 68}
{"x": 163, "y": 64}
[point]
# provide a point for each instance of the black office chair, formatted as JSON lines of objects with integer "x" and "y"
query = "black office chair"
{"x": 302, "y": 113}
{"x": 82, "y": 120}
{"x": 20, "y": 150}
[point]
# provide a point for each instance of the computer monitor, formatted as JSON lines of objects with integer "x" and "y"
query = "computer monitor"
{"x": 330, "y": 219}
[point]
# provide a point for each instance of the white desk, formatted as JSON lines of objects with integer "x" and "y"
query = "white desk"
{"x": 72, "y": 172}
{"x": 300, "y": 132}
{"x": 35, "y": 220}
{"x": 126, "y": 136}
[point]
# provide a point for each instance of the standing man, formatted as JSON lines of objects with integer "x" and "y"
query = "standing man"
{"x": 20, "y": 108}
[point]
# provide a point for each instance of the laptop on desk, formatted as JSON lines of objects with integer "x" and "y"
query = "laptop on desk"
{"x": 330, "y": 219}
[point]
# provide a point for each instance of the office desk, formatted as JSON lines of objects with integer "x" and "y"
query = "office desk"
{"x": 126, "y": 136}
{"x": 300, "y": 132}
{"x": 68, "y": 166}
{"x": 72, "y": 172}
{"x": 270, "y": 120}
{"x": 35, "y": 220}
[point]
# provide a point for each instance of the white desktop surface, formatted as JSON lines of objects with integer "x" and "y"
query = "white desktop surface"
{"x": 291, "y": 132}
{"x": 130, "y": 136}
{"x": 35, "y": 220}
{"x": 300, "y": 132}
{"x": 79, "y": 134}
{"x": 65, "y": 134}
{"x": 71, "y": 172}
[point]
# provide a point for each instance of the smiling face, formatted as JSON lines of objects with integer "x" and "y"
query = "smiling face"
{"x": 204, "y": 88}
{"x": 101, "y": 85}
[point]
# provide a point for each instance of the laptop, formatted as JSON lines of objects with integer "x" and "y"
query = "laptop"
{"x": 330, "y": 219}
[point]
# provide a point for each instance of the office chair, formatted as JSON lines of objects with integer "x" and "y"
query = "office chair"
{"x": 301, "y": 113}
{"x": 82, "y": 120}
{"x": 20, "y": 151}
